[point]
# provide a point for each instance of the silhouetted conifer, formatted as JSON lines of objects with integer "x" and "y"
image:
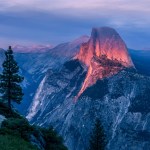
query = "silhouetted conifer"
{"x": 98, "y": 138}
{"x": 10, "y": 80}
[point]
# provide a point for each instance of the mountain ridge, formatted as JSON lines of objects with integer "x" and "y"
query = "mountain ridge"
{"x": 115, "y": 98}
{"x": 105, "y": 54}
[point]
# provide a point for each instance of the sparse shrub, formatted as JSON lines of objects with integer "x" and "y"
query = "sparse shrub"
{"x": 53, "y": 140}
{"x": 8, "y": 142}
{"x": 17, "y": 127}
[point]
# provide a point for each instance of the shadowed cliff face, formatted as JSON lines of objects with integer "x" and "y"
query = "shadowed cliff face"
{"x": 105, "y": 54}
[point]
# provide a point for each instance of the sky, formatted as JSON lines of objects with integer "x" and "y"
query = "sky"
{"x": 28, "y": 22}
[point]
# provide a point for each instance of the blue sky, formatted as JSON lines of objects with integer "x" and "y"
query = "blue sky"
{"x": 28, "y": 22}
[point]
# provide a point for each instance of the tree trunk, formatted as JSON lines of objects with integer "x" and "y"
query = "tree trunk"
{"x": 9, "y": 87}
{"x": 9, "y": 103}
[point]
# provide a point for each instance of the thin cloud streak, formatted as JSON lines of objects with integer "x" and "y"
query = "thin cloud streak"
{"x": 62, "y": 20}
{"x": 125, "y": 5}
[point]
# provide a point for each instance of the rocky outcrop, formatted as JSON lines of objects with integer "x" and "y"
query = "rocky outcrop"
{"x": 59, "y": 86}
{"x": 100, "y": 68}
{"x": 120, "y": 101}
{"x": 105, "y": 54}
{"x": 105, "y": 41}
{"x": 100, "y": 82}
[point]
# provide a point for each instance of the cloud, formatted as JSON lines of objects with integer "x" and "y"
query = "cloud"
{"x": 119, "y": 11}
{"x": 78, "y": 4}
{"x": 62, "y": 20}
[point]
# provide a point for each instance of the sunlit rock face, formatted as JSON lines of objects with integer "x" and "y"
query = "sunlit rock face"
{"x": 105, "y": 41}
{"x": 105, "y": 54}
{"x": 99, "y": 69}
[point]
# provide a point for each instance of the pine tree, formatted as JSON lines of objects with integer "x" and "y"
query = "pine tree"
{"x": 10, "y": 80}
{"x": 98, "y": 137}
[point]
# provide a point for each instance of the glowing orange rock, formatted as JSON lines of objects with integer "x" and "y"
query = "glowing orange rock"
{"x": 105, "y": 41}
{"x": 104, "y": 54}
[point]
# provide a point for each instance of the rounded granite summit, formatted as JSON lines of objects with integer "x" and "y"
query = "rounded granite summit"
{"x": 105, "y": 41}
{"x": 105, "y": 54}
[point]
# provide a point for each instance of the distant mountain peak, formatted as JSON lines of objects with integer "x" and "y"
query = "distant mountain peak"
{"x": 103, "y": 31}
{"x": 31, "y": 48}
{"x": 104, "y": 54}
{"x": 80, "y": 40}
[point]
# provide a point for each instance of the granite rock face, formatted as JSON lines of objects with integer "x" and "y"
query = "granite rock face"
{"x": 120, "y": 101}
{"x": 35, "y": 61}
{"x": 104, "y": 54}
{"x": 105, "y": 41}
{"x": 100, "y": 82}
{"x": 59, "y": 86}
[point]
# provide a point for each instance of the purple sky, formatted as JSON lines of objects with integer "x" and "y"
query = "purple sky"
{"x": 28, "y": 22}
